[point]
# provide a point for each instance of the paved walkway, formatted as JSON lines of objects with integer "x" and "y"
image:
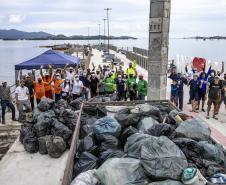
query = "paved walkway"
{"x": 218, "y": 127}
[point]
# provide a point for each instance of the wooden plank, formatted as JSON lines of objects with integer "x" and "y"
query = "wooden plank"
{"x": 68, "y": 173}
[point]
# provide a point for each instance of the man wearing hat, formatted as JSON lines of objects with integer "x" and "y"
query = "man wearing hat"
{"x": 6, "y": 101}
{"x": 131, "y": 71}
{"x": 214, "y": 96}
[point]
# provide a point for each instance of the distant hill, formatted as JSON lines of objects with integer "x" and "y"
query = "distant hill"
{"x": 14, "y": 34}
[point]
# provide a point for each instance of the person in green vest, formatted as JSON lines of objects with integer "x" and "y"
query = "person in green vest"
{"x": 109, "y": 84}
{"x": 142, "y": 87}
{"x": 131, "y": 71}
{"x": 132, "y": 87}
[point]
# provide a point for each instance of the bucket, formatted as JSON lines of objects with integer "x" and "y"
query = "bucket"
{"x": 192, "y": 176}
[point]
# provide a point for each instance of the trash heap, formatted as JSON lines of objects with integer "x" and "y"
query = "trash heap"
{"x": 146, "y": 144}
{"x": 49, "y": 130}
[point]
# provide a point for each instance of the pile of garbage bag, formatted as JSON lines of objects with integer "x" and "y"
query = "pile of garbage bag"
{"x": 51, "y": 128}
{"x": 145, "y": 145}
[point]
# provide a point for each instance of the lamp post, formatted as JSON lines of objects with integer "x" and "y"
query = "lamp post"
{"x": 99, "y": 35}
{"x": 104, "y": 33}
{"x": 88, "y": 35}
{"x": 108, "y": 9}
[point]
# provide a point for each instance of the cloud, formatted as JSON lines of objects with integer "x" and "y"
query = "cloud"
{"x": 14, "y": 19}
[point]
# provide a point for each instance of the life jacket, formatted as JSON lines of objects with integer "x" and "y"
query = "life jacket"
{"x": 39, "y": 89}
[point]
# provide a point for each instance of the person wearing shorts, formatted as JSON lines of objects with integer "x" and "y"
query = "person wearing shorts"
{"x": 194, "y": 92}
{"x": 214, "y": 96}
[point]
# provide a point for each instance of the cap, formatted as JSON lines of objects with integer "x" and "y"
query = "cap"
{"x": 119, "y": 76}
{"x": 195, "y": 74}
{"x": 58, "y": 74}
{"x": 71, "y": 68}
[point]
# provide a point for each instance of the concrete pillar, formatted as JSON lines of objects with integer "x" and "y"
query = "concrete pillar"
{"x": 158, "y": 48}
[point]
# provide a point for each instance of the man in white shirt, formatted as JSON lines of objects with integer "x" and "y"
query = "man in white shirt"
{"x": 70, "y": 74}
{"x": 77, "y": 88}
{"x": 22, "y": 99}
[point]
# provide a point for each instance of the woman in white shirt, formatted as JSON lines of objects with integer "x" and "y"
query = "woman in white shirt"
{"x": 77, "y": 88}
{"x": 66, "y": 89}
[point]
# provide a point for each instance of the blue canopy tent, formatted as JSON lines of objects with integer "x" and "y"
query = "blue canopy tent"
{"x": 50, "y": 57}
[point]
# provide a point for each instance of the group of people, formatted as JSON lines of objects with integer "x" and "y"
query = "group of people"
{"x": 71, "y": 83}
{"x": 203, "y": 85}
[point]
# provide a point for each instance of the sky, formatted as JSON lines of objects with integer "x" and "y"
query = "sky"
{"x": 127, "y": 17}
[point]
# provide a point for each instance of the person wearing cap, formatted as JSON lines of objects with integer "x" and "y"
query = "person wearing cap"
{"x": 29, "y": 78}
{"x": 142, "y": 88}
{"x": 46, "y": 77}
{"x": 5, "y": 97}
{"x": 66, "y": 89}
{"x": 77, "y": 88}
{"x": 132, "y": 87}
{"x": 22, "y": 99}
{"x": 70, "y": 74}
{"x": 94, "y": 85}
{"x": 194, "y": 92}
{"x": 109, "y": 84}
{"x": 214, "y": 96}
{"x": 130, "y": 71}
{"x": 85, "y": 81}
{"x": 120, "y": 88}
{"x": 57, "y": 86}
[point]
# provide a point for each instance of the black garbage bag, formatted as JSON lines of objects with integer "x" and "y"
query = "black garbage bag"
{"x": 148, "y": 110}
{"x": 88, "y": 144}
{"x": 26, "y": 130}
{"x": 122, "y": 171}
{"x": 59, "y": 129}
{"x": 30, "y": 144}
{"x": 146, "y": 123}
{"x": 44, "y": 121}
{"x": 110, "y": 153}
{"x": 212, "y": 152}
{"x": 109, "y": 142}
{"x": 76, "y": 104}
{"x": 46, "y": 104}
{"x": 87, "y": 127}
{"x": 86, "y": 178}
{"x": 113, "y": 97}
{"x": 190, "y": 148}
{"x": 125, "y": 110}
{"x": 55, "y": 146}
{"x": 209, "y": 168}
{"x": 86, "y": 162}
{"x": 95, "y": 111}
{"x": 126, "y": 133}
{"x": 61, "y": 104}
{"x": 42, "y": 145}
{"x": 162, "y": 129}
{"x": 195, "y": 129}
{"x": 126, "y": 120}
{"x": 160, "y": 157}
{"x": 107, "y": 125}
{"x": 167, "y": 182}
{"x": 70, "y": 118}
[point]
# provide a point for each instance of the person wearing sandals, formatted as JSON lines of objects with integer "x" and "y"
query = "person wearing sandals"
{"x": 214, "y": 96}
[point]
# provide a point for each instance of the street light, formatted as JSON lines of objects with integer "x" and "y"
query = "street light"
{"x": 108, "y": 9}
{"x": 99, "y": 34}
{"x": 88, "y": 35}
{"x": 104, "y": 33}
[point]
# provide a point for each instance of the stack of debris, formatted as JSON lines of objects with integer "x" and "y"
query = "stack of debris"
{"x": 51, "y": 127}
{"x": 146, "y": 144}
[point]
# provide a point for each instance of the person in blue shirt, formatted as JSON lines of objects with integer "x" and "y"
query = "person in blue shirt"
{"x": 194, "y": 92}
{"x": 181, "y": 80}
{"x": 174, "y": 93}
{"x": 203, "y": 79}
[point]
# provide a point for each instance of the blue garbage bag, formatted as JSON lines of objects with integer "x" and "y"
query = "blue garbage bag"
{"x": 107, "y": 125}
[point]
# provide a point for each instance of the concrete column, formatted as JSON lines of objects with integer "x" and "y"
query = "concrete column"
{"x": 158, "y": 48}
